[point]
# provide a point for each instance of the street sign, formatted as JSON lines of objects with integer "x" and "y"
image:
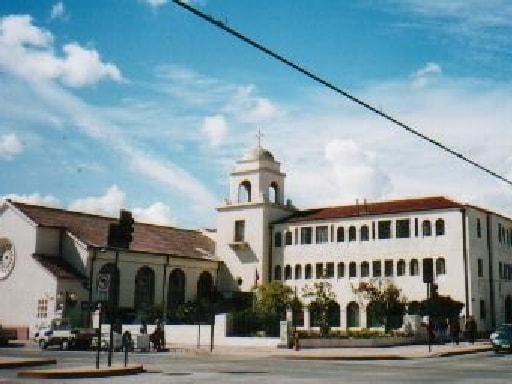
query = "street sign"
{"x": 103, "y": 285}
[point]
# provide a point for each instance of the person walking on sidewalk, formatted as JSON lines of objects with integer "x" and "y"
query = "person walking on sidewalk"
{"x": 454, "y": 330}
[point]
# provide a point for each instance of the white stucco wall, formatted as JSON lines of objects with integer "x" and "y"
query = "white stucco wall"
{"x": 28, "y": 281}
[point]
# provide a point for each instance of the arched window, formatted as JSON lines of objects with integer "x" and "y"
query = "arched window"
{"x": 273, "y": 193}
{"x": 372, "y": 315}
{"x": 340, "y": 234}
{"x": 352, "y": 315}
{"x": 287, "y": 272}
{"x": 277, "y": 239}
{"x": 365, "y": 269}
{"x": 427, "y": 228}
{"x": 244, "y": 192}
{"x": 414, "y": 268}
{"x": 288, "y": 238}
{"x": 352, "y": 269}
{"x": 439, "y": 227}
{"x": 365, "y": 233}
{"x": 400, "y": 268}
{"x": 308, "y": 271}
{"x": 440, "y": 266}
{"x": 277, "y": 272}
{"x": 341, "y": 270}
{"x": 204, "y": 285}
{"x": 113, "y": 290}
{"x": 298, "y": 271}
{"x": 144, "y": 295}
{"x": 175, "y": 292}
{"x": 352, "y": 233}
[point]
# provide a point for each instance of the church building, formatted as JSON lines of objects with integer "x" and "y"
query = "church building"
{"x": 262, "y": 237}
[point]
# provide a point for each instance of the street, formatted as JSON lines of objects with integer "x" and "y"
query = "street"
{"x": 485, "y": 367}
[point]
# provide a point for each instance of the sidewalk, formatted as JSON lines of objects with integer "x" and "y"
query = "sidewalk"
{"x": 389, "y": 353}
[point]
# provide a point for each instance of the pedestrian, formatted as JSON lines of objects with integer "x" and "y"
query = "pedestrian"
{"x": 454, "y": 331}
{"x": 471, "y": 329}
{"x": 127, "y": 340}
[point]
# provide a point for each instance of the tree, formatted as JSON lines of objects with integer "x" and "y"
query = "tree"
{"x": 273, "y": 298}
{"x": 323, "y": 300}
{"x": 386, "y": 303}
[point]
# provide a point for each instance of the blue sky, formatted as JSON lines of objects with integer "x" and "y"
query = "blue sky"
{"x": 140, "y": 105}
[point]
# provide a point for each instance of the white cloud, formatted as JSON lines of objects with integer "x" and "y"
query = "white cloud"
{"x": 215, "y": 129}
{"x": 109, "y": 204}
{"x": 58, "y": 11}
{"x": 422, "y": 76}
{"x": 248, "y": 108}
{"x": 27, "y": 52}
{"x": 35, "y": 199}
{"x": 157, "y": 213}
{"x": 356, "y": 171}
{"x": 10, "y": 146}
{"x": 156, "y": 3}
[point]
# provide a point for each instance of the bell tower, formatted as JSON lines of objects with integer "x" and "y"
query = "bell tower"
{"x": 256, "y": 199}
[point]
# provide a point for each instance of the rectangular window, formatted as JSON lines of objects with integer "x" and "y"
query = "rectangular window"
{"x": 305, "y": 235}
{"x": 288, "y": 238}
{"x": 480, "y": 268}
{"x": 388, "y": 268}
{"x": 403, "y": 229}
{"x": 278, "y": 241}
{"x": 322, "y": 234}
{"x": 478, "y": 228}
{"x": 332, "y": 233}
{"x": 352, "y": 270}
{"x": 416, "y": 227}
{"x": 239, "y": 230}
{"x": 373, "y": 230}
{"x": 319, "y": 270}
{"x": 384, "y": 229}
{"x": 296, "y": 235}
{"x": 377, "y": 268}
{"x": 483, "y": 312}
{"x": 42, "y": 309}
{"x": 500, "y": 269}
{"x": 330, "y": 270}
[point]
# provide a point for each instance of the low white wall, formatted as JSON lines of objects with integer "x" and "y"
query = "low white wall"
{"x": 194, "y": 335}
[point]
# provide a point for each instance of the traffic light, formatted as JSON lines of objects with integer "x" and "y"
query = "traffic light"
{"x": 428, "y": 270}
{"x": 126, "y": 226}
{"x": 120, "y": 234}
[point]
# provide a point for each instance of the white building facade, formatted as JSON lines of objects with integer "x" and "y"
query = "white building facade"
{"x": 378, "y": 242}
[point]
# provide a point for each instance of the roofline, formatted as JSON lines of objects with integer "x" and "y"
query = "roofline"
{"x": 99, "y": 248}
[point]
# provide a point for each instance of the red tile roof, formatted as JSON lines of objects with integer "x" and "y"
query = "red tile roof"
{"x": 374, "y": 208}
{"x": 93, "y": 230}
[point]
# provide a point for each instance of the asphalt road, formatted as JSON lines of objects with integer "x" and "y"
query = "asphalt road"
{"x": 483, "y": 367}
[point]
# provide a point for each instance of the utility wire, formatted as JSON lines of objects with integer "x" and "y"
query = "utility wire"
{"x": 331, "y": 86}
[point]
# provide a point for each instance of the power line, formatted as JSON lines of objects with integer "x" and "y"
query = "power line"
{"x": 333, "y": 87}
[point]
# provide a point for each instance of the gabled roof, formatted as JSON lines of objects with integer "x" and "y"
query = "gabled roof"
{"x": 374, "y": 208}
{"x": 148, "y": 238}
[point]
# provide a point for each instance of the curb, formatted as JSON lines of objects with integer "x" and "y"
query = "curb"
{"x": 8, "y": 364}
{"x": 340, "y": 358}
{"x": 77, "y": 373}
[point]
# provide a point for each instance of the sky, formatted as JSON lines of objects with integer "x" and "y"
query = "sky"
{"x": 140, "y": 105}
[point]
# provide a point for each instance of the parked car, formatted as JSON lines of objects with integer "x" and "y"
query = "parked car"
{"x": 105, "y": 340}
{"x": 501, "y": 338}
{"x": 61, "y": 332}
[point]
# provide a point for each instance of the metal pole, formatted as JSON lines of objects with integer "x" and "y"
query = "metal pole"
{"x": 113, "y": 306}
{"x": 98, "y": 347}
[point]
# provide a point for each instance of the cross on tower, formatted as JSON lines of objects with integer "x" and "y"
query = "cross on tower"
{"x": 259, "y": 135}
